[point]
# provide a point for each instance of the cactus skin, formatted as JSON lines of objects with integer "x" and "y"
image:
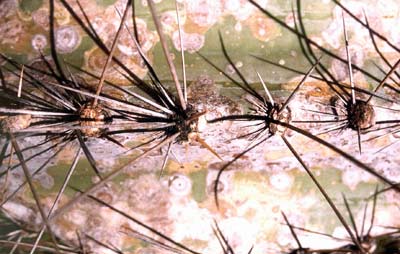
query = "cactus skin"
{"x": 180, "y": 204}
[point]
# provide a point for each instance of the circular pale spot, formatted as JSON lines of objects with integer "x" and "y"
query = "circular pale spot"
{"x": 192, "y": 42}
{"x": 67, "y": 39}
{"x": 281, "y": 181}
{"x": 239, "y": 64}
{"x": 39, "y": 42}
{"x": 179, "y": 185}
{"x": 229, "y": 69}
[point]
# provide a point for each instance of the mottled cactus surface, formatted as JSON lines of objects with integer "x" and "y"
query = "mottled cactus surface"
{"x": 204, "y": 177}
